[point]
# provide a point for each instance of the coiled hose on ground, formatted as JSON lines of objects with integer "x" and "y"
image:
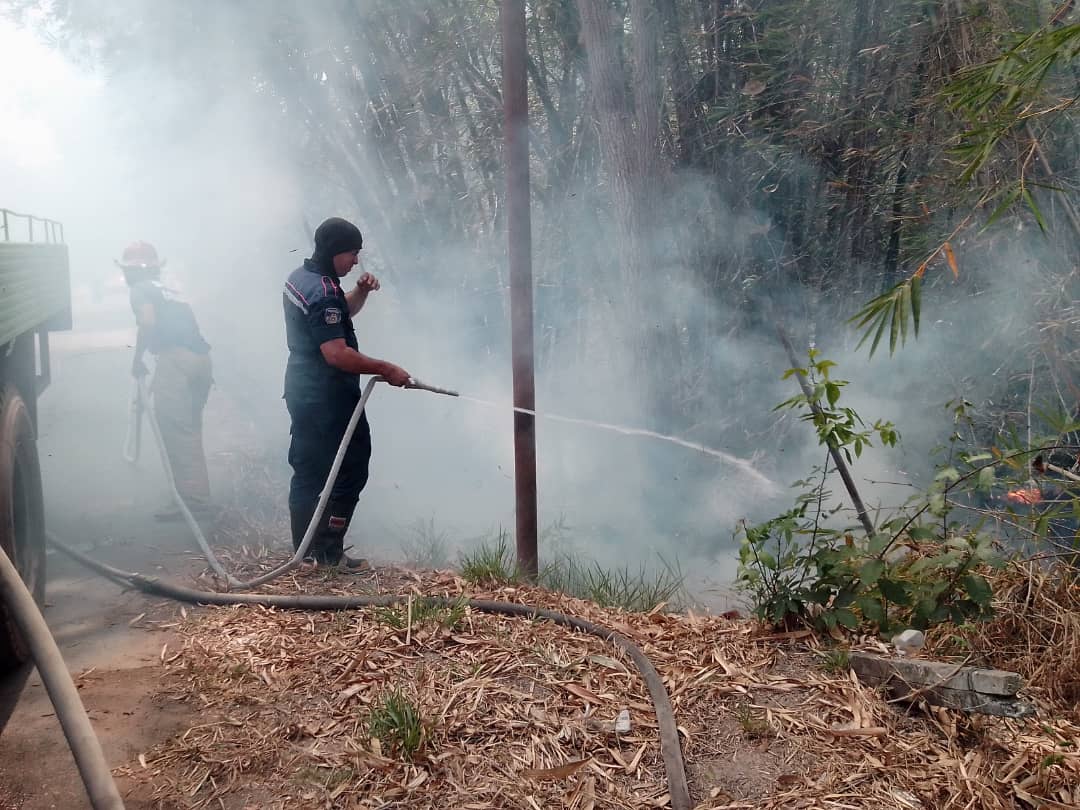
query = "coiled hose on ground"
{"x": 670, "y": 746}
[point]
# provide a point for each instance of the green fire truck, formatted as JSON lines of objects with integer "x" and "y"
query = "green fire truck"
{"x": 35, "y": 299}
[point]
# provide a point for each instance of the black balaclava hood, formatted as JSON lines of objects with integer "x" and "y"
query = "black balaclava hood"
{"x": 334, "y": 236}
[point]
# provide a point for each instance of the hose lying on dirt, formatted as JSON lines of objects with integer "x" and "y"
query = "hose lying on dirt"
{"x": 85, "y": 748}
{"x": 670, "y": 746}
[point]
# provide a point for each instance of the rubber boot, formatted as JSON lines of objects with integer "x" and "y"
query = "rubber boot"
{"x": 332, "y": 528}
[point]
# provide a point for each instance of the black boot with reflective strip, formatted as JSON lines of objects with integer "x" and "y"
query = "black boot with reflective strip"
{"x": 327, "y": 546}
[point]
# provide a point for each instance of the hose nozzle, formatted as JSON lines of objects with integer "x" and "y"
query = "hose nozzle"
{"x": 415, "y": 383}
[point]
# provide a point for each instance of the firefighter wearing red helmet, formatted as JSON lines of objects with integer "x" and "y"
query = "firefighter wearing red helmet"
{"x": 140, "y": 256}
{"x": 168, "y": 330}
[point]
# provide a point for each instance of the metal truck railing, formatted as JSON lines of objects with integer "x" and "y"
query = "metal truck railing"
{"x": 13, "y": 224}
{"x": 35, "y": 296}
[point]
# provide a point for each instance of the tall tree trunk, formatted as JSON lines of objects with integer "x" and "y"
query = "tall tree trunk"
{"x": 603, "y": 45}
{"x": 628, "y": 137}
{"x": 645, "y": 24}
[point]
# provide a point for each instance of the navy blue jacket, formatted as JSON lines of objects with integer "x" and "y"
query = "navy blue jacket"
{"x": 174, "y": 326}
{"x": 316, "y": 312}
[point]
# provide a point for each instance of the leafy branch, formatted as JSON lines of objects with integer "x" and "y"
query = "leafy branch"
{"x": 800, "y": 570}
{"x": 1005, "y": 96}
{"x": 1005, "y": 93}
{"x": 891, "y": 310}
{"x": 999, "y": 98}
{"x": 838, "y": 428}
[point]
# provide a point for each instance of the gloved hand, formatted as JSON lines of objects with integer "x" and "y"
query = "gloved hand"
{"x": 138, "y": 368}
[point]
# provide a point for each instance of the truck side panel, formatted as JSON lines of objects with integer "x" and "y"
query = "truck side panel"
{"x": 35, "y": 289}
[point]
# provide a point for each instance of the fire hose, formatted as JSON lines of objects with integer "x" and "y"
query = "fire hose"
{"x": 62, "y": 691}
{"x": 133, "y": 440}
{"x": 670, "y": 746}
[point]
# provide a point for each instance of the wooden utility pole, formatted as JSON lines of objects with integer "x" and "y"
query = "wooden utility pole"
{"x": 519, "y": 227}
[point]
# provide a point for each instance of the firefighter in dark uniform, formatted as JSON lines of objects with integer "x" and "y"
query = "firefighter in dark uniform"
{"x": 322, "y": 388}
{"x": 182, "y": 373}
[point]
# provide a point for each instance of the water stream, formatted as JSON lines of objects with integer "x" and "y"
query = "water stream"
{"x": 744, "y": 465}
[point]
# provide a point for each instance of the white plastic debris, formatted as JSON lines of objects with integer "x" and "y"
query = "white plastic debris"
{"x": 909, "y": 642}
{"x": 905, "y": 798}
{"x": 622, "y": 722}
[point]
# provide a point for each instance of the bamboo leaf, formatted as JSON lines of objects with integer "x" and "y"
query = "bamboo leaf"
{"x": 1035, "y": 210}
{"x": 916, "y": 302}
{"x": 951, "y": 258}
{"x": 868, "y": 313}
{"x": 903, "y": 307}
{"x": 1005, "y": 205}
{"x": 880, "y": 331}
{"x": 1046, "y": 186}
{"x": 894, "y": 329}
{"x": 1011, "y": 96}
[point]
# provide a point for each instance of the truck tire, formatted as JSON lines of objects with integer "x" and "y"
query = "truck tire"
{"x": 22, "y": 514}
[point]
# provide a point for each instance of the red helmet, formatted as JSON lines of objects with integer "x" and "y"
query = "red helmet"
{"x": 140, "y": 255}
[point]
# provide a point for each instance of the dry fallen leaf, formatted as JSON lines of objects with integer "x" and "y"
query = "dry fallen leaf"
{"x": 418, "y": 780}
{"x": 876, "y": 731}
{"x": 582, "y": 692}
{"x": 754, "y": 87}
{"x": 561, "y": 772}
{"x": 607, "y": 662}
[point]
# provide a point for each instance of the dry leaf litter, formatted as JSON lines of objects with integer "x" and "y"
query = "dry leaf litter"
{"x": 519, "y": 713}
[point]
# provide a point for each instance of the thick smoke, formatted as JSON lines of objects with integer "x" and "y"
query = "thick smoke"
{"x": 219, "y": 183}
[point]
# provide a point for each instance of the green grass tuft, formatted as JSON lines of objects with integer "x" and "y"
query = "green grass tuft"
{"x": 397, "y": 724}
{"x": 491, "y": 563}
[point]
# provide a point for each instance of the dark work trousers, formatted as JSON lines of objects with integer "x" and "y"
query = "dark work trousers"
{"x": 180, "y": 388}
{"x": 317, "y": 430}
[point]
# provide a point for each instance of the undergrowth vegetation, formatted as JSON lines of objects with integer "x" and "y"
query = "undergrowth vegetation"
{"x": 1035, "y": 631}
{"x": 934, "y": 560}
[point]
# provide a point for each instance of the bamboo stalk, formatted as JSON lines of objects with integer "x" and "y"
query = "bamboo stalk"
{"x": 837, "y": 457}
{"x": 1061, "y": 471}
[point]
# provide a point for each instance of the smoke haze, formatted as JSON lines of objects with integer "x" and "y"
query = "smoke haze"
{"x": 215, "y": 175}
